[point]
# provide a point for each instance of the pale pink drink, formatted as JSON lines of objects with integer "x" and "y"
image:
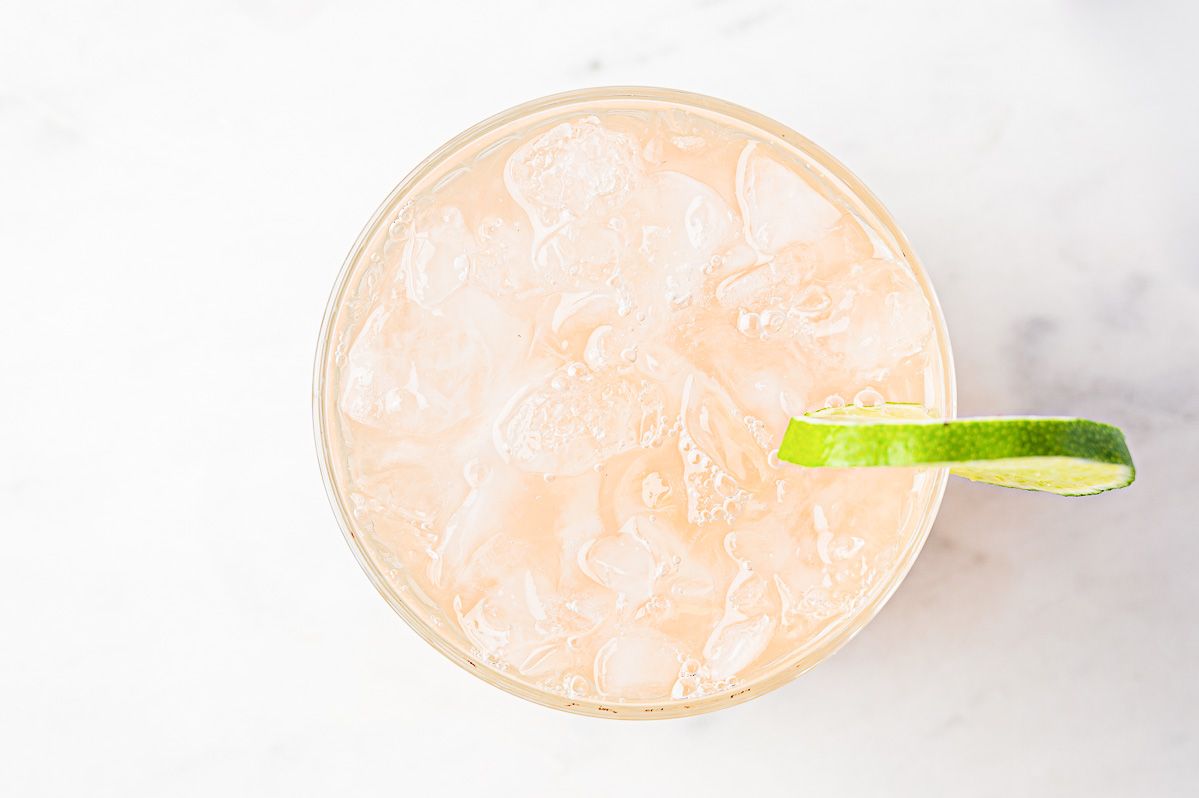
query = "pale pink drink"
{"x": 553, "y": 376}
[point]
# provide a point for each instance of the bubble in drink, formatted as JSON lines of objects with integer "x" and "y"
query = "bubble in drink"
{"x": 563, "y": 374}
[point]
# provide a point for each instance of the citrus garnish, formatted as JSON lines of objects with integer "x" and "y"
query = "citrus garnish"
{"x": 1066, "y": 456}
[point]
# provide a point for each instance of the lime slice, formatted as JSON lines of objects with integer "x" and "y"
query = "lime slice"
{"x": 1067, "y": 456}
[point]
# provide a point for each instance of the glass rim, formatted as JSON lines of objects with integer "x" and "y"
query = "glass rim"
{"x": 782, "y": 674}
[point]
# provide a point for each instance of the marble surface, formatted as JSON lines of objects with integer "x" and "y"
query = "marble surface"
{"x": 178, "y": 186}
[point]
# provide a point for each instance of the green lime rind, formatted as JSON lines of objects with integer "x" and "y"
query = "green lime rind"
{"x": 1067, "y": 456}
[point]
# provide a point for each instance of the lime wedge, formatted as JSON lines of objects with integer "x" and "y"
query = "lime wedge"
{"x": 1067, "y": 456}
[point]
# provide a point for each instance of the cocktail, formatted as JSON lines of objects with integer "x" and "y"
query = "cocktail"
{"x": 553, "y": 379}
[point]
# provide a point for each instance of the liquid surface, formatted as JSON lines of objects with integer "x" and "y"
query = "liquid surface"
{"x": 557, "y": 379}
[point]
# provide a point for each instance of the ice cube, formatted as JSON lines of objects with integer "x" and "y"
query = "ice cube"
{"x": 502, "y": 263}
{"x": 437, "y": 256}
{"x": 723, "y": 463}
{"x": 651, "y": 474}
{"x": 413, "y": 377}
{"x": 638, "y": 664}
{"x": 851, "y": 318}
{"x": 764, "y": 549}
{"x": 748, "y": 287}
{"x": 735, "y": 645}
{"x": 909, "y": 322}
{"x": 622, "y": 563}
{"x": 683, "y": 576}
{"x": 745, "y": 629}
{"x": 564, "y": 615}
{"x": 498, "y": 554}
{"x": 684, "y": 224}
{"x": 699, "y": 221}
{"x": 842, "y": 544}
{"x": 577, "y": 419}
{"x": 475, "y": 525}
{"x": 792, "y": 281}
{"x": 778, "y": 205}
{"x": 523, "y": 623}
{"x": 806, "y": 596}
{"x": 574, "y": 311}
{"x": 876, "y": 315}
{"x": 580, "y": 255}
{"x": 485, "y": 625}
{"x": 407, "y": 498}
{"x": 577, "y": 169}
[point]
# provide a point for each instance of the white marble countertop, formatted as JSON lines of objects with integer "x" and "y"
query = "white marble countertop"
{"x": 178, "y": 188}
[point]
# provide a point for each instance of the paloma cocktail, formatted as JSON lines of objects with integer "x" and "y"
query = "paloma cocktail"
{"x": 553, "y": 376}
